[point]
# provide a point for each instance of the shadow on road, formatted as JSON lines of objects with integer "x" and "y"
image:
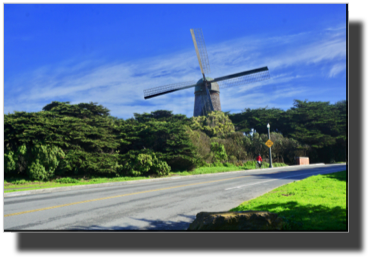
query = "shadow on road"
{"x": 299, "y": 218}
{"x": 152, "y": 224}
{"x": 296, "y": 174}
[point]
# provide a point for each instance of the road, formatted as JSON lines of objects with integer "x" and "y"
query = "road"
{"x": 169, "y": 204}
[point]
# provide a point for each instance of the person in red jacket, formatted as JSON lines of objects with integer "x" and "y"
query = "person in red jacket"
{"x": 259, "y": 160}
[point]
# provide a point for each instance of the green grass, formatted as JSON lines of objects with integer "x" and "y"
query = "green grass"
{"x": 315, "y": 203}
{"x": 22, "y": 184}
{"x": 14, "y": 185}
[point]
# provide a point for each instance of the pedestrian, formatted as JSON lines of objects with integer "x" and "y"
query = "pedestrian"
{"x": 259, "y": 160}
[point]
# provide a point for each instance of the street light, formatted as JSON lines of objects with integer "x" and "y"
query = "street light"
{"x": 270, "y": 150}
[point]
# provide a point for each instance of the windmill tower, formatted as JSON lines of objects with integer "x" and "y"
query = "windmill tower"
{"x": 200, "y": 94}
{"x": 207, "y": 90}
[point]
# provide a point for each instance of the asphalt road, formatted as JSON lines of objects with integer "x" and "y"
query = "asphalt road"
{"x": 169, "y": 204}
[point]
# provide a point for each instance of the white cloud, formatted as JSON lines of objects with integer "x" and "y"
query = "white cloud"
{"x": 339, "y": 28}
{"x": 336, "y": 69}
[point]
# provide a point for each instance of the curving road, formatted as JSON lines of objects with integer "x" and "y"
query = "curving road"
{"x": 165, "y": 204}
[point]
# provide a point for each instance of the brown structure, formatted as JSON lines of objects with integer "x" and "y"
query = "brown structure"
{"x": 302, "y": 161}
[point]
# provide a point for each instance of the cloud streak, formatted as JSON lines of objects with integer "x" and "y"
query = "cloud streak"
{"x": 336, "y": 69}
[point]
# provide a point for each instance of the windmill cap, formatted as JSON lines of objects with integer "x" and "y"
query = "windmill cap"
{"x": 214, "y": 86}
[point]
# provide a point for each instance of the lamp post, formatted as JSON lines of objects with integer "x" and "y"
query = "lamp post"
{"x": 270, "y": 150}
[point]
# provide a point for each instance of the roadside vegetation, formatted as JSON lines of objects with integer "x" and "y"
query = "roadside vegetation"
{"x": 84, "y": 141}
{"x": 17, "y": 184}
{"x": 315, "y": 203}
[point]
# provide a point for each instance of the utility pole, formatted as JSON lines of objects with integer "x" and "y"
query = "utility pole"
{"x": 270, "y": 150}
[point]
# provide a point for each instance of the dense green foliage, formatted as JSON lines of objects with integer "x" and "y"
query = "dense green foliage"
{"x": 215, "y": 124}
{"x": 219, "y": 153}
{"x": 83, "y": 133}
{"x": 84, "y": 140}
{"x": 316, "y": 129}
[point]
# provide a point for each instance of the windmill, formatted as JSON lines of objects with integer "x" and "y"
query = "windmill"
{"x": 207, "y": 89}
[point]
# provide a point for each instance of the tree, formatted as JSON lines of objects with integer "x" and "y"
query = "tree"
{"x": 83, "y": 132}
{"x": 215, "y": 124}
{"x": 257, "y": 119}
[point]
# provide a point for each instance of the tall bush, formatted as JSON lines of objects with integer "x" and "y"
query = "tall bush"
{"x": 9, "y": 161}
{"x": 135, "y": 163}
{"x": 219, "y": 152}
{"x": 44, "y": 159}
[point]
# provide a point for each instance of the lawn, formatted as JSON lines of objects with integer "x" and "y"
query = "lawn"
{"x": 17, "y": 184}
{"x": 315, "y": 203}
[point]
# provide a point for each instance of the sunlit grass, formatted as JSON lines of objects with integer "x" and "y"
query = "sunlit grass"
{"x": 315, "y": 203}
{"x": 25, "y": 185}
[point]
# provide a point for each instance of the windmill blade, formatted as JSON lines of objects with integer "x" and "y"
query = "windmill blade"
{"x": 200, "y": 49}
{"x": 240, "y": 74}
{"x": 153, "y": 92}
{"x": 244, "y": 77}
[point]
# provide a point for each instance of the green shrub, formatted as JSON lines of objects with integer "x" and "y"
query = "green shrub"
{"x": 20, "y": 182}
{"x": 39, "y": 161}
{"x": 202, "y": 143}
{"x": 279, "y": 164}
{"x": 15, "y": 162}
{"x": 250, "y": 163}
{"x": 79, "y": 161}
{"x": 202, "y": 163}
{"x": 142, "y": 164}
{"x": 9, "y": 162}
{"x": 160, "y": 168}
{"x": 218, "y": 164}
{"x": 67, "y": 180}
{"x": 36, "y": 171}
{"x": 237, "y": 145}
{"x": 219, "y": 152}
{"x": 232, "y": 158}
{"x": 46, "y": 156}
{"x": 228, "y": 164}
{"x": 181, "y": 162}
{"x": 139, "y": 164}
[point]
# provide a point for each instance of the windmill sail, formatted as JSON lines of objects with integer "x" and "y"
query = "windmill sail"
{"x": 153, "y": 92}
{"x": 244, "y": 77}
{"x": 200, "y": 49}
{"x": 263, "y": 71}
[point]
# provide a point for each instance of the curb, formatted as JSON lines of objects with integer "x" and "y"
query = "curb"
{"x": 60, "y": 189}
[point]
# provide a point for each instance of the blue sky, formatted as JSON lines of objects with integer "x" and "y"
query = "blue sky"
{"x": 110, "y": 53}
